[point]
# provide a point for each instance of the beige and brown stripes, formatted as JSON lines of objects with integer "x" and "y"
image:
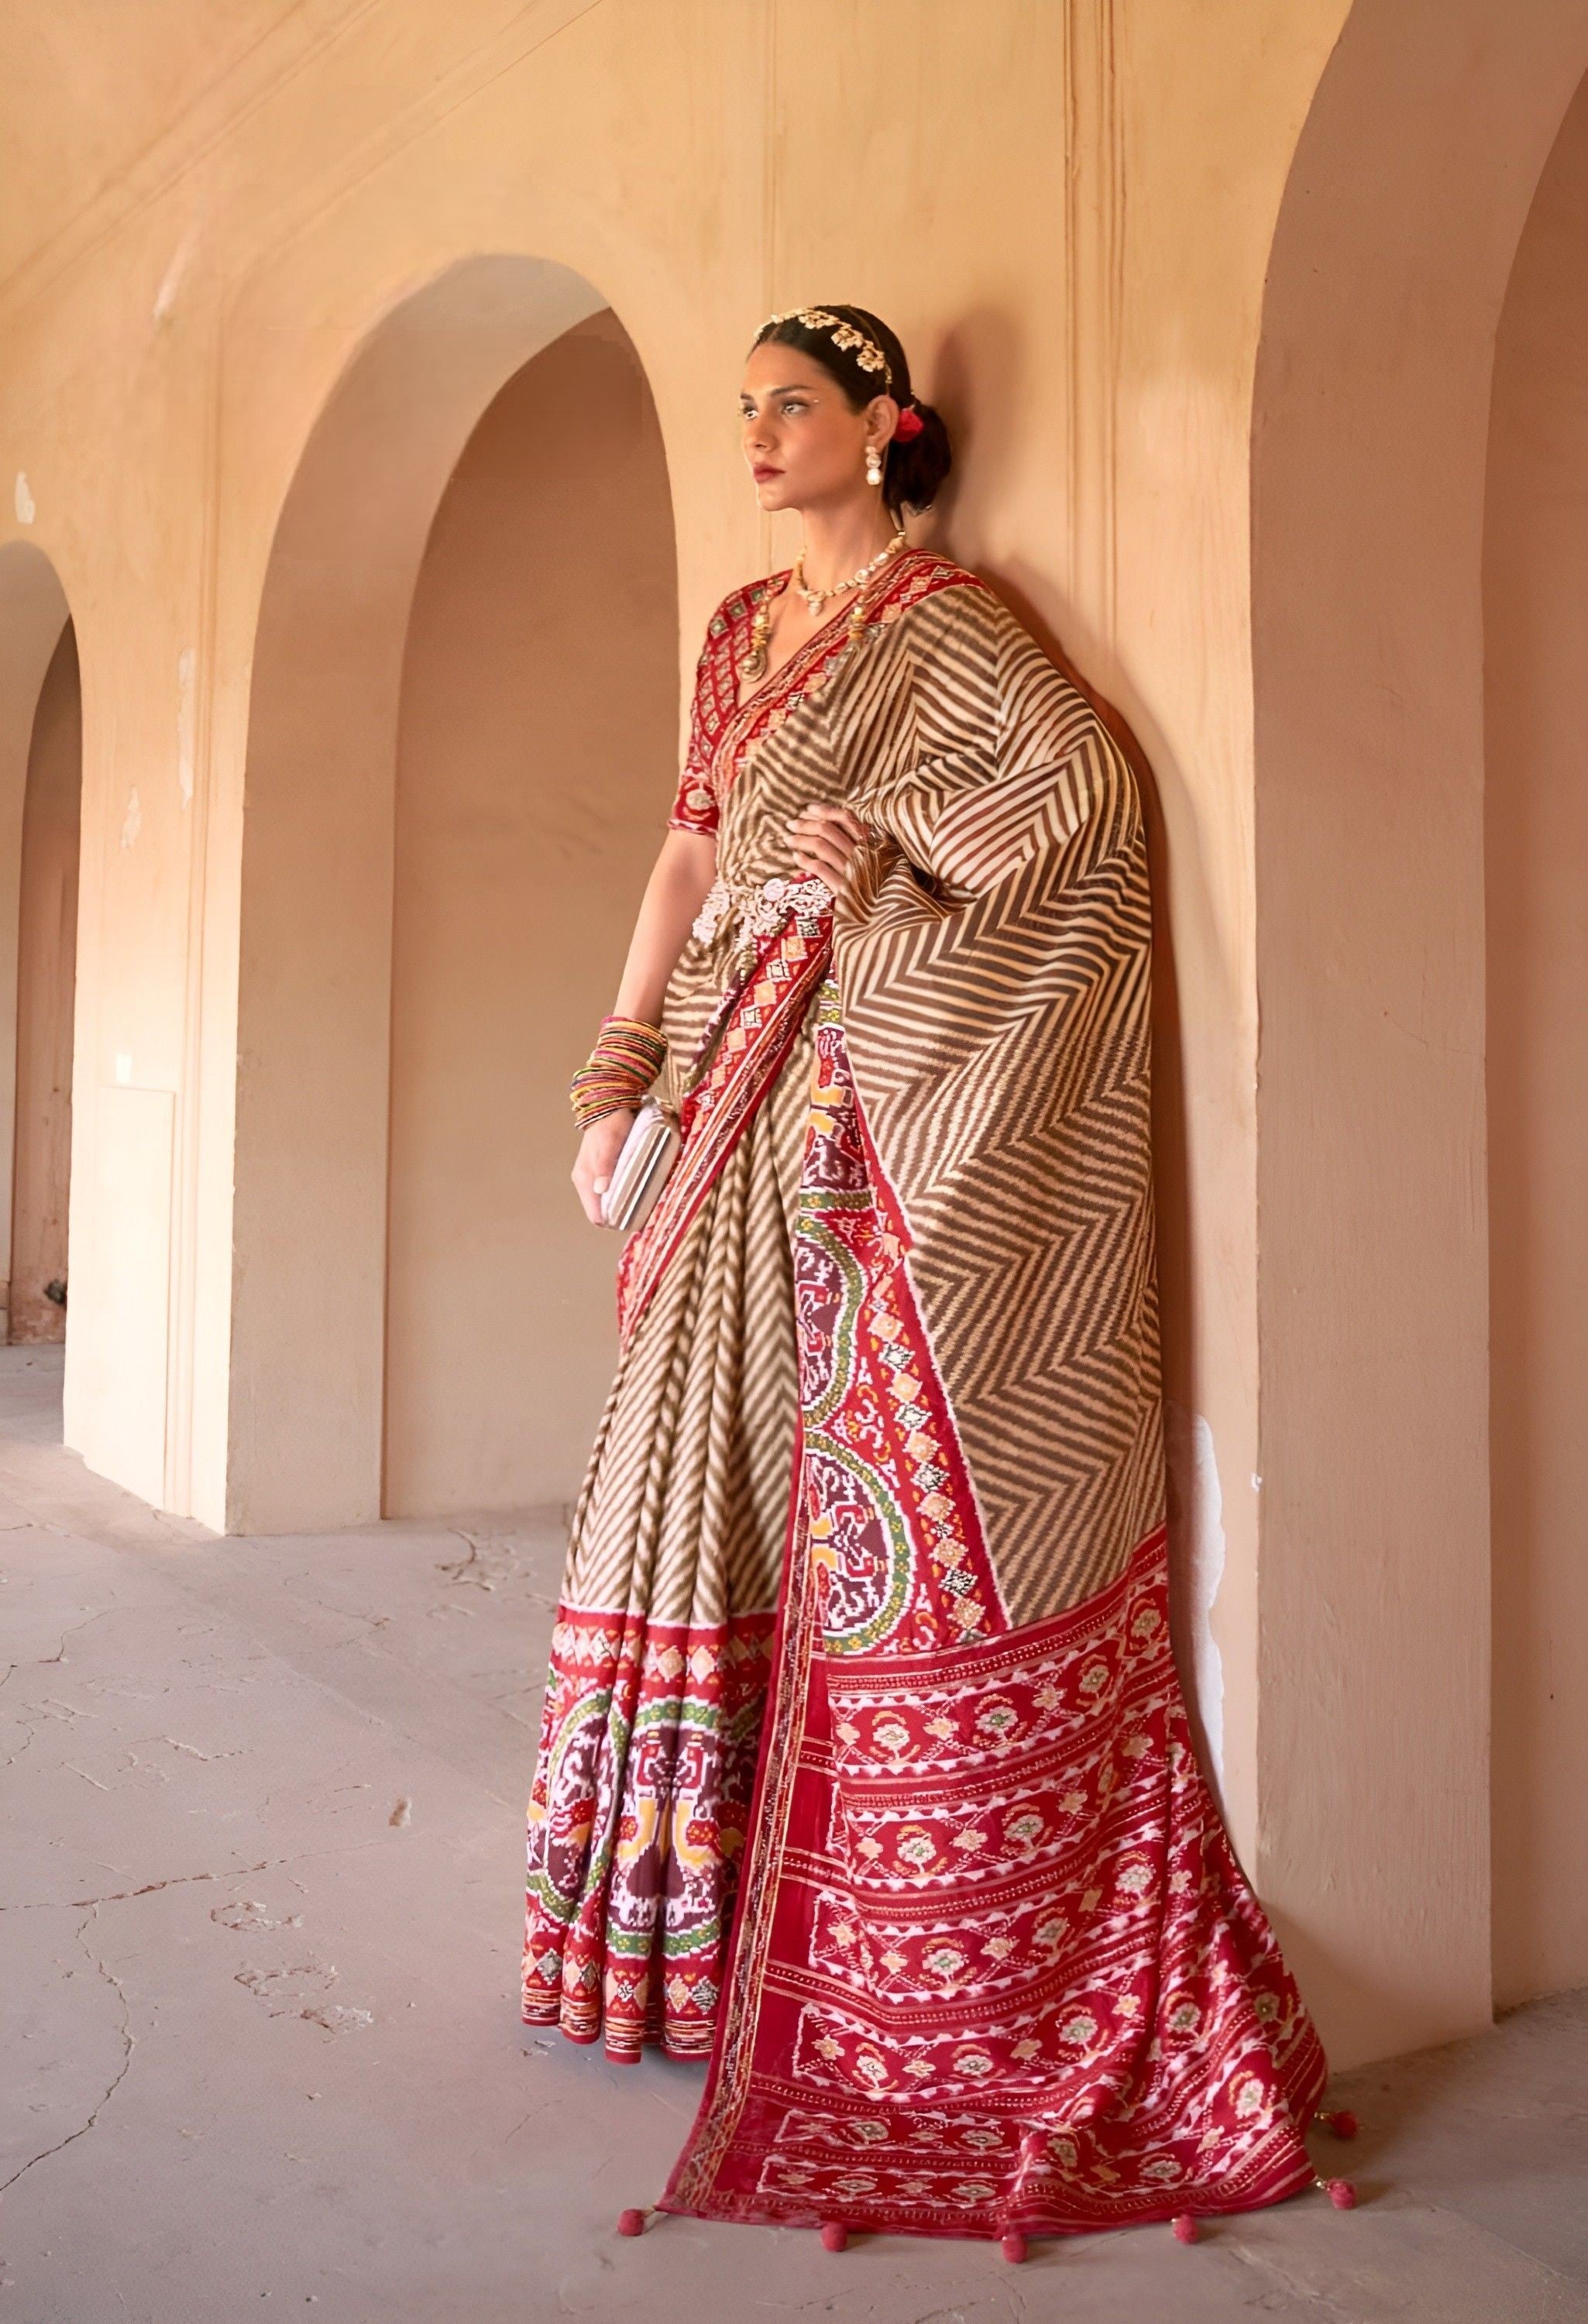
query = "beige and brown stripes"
{"x": 996, "y": 1014}
{"x": 685, "y": 1499}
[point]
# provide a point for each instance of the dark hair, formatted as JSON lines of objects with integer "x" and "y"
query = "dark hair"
{"x": 912, "y": 472}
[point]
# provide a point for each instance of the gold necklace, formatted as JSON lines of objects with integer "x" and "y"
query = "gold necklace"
{"x": 755, "y": 658}
{"x": 817, "y": 598}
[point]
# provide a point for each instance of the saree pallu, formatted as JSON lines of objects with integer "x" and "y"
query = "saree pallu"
{"x": 993, "y": 1967}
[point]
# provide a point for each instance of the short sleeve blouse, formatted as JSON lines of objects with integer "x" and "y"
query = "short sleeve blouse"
{"x": 695, "y": 806}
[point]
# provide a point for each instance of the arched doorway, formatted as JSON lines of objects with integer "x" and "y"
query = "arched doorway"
{"x": 41, "y": 792}
{"x": 46, "y": 985}
{"x": 1535, "y": 854}
{"x": 538, "y": 714}
{"x": 404, "y": 753}
{"x": 1405, "y": 203}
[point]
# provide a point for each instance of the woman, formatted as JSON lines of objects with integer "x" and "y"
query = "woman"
{"x": 863, "y": 1643}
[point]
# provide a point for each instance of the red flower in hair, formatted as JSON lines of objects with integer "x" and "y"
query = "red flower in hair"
{"x": 911, "y": 423}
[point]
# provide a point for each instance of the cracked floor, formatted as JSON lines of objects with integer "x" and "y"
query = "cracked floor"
{"x": 262, "y": 1847}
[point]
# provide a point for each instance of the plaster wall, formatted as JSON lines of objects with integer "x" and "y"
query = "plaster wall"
{"x": 1536, "y": 852}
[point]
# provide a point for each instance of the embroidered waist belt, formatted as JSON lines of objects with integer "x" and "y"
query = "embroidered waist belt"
{"x": 760, "y": 912}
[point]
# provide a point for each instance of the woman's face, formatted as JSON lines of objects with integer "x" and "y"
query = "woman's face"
{"x": 803, "y": 443}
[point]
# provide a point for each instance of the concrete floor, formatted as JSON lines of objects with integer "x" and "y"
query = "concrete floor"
{"x": 263, "y": 1849}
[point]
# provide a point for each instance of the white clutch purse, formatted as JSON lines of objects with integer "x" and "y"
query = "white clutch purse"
{"x": 644, "y": 1159}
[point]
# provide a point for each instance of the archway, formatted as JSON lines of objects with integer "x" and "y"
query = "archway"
{"x": 46, "y": 983}
{"x": 41, "y": 789}
{"x": 357, "y": 838}
{"x": 1535, "y": 853}
{"x": 539, "y": 697}
{"x": 1402, "y": 213}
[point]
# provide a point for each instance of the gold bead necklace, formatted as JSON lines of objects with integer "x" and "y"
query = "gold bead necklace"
{"x": 755, "y": 658}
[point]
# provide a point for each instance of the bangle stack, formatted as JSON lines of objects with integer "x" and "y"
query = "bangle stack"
{"x": 626, "y": 1059}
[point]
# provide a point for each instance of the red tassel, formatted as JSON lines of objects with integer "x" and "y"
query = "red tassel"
{"x": 1342, "y": 2124}
{"x": 1342, "y": 2194}
{"x": 630, "y": 2223}
{"x": 1014, "y": 2247}
{"x": 834, "y": 2236}
{"x": 1186, "y": 2227}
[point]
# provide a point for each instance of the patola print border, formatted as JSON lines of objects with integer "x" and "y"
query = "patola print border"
{"x": 634, "y": 1948}
{"x": 1019, "y": 2169}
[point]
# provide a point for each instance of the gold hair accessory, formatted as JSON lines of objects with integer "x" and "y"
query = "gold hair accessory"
{"x": 867, "y": 354}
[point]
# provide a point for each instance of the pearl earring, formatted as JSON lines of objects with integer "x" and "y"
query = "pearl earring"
{"x": 873, "y": 464}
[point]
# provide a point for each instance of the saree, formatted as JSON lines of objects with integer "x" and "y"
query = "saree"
{"x": 974, "y": 1956}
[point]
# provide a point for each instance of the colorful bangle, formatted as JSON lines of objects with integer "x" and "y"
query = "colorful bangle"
{"x": 626, "y": 1059}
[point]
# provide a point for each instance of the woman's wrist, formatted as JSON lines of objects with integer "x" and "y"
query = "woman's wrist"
{"x": 628, "y": 1055}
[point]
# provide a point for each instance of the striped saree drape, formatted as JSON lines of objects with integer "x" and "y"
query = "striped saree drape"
{"x": 993, "y": 1967}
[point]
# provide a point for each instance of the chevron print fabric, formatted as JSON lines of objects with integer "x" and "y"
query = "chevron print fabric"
{"x": 998, "y": 1031}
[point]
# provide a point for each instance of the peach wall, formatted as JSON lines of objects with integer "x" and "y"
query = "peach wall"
{"x": 1536, "y": 827}
{"x": 47, "y": 946}
{"x": 535, "y": 767}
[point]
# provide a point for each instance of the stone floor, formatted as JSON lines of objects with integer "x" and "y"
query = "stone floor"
{"x": 262, "y": 1853}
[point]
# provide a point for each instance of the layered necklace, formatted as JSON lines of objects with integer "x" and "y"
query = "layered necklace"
{"x": 755, "y": 658}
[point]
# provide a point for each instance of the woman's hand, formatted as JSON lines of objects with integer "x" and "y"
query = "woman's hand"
{"x": 598, "y": 1152}
{"x": 823, "y": 839}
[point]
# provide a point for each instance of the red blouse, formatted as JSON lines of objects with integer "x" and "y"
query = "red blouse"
{"x": 697, "y": 805}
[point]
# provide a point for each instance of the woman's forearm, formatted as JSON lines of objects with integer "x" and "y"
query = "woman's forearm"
{"x": 684, "y": 870}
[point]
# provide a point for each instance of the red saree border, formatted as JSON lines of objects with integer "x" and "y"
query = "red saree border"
{"x": 760, "y": 1031}
{"x": 894, "y": 1519}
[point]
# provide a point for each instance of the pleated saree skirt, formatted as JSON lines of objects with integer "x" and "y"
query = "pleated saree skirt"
{"x": 661, "y": 1654}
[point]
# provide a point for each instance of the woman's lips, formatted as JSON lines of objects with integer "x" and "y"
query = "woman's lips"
{"x": 763, "y": 472}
